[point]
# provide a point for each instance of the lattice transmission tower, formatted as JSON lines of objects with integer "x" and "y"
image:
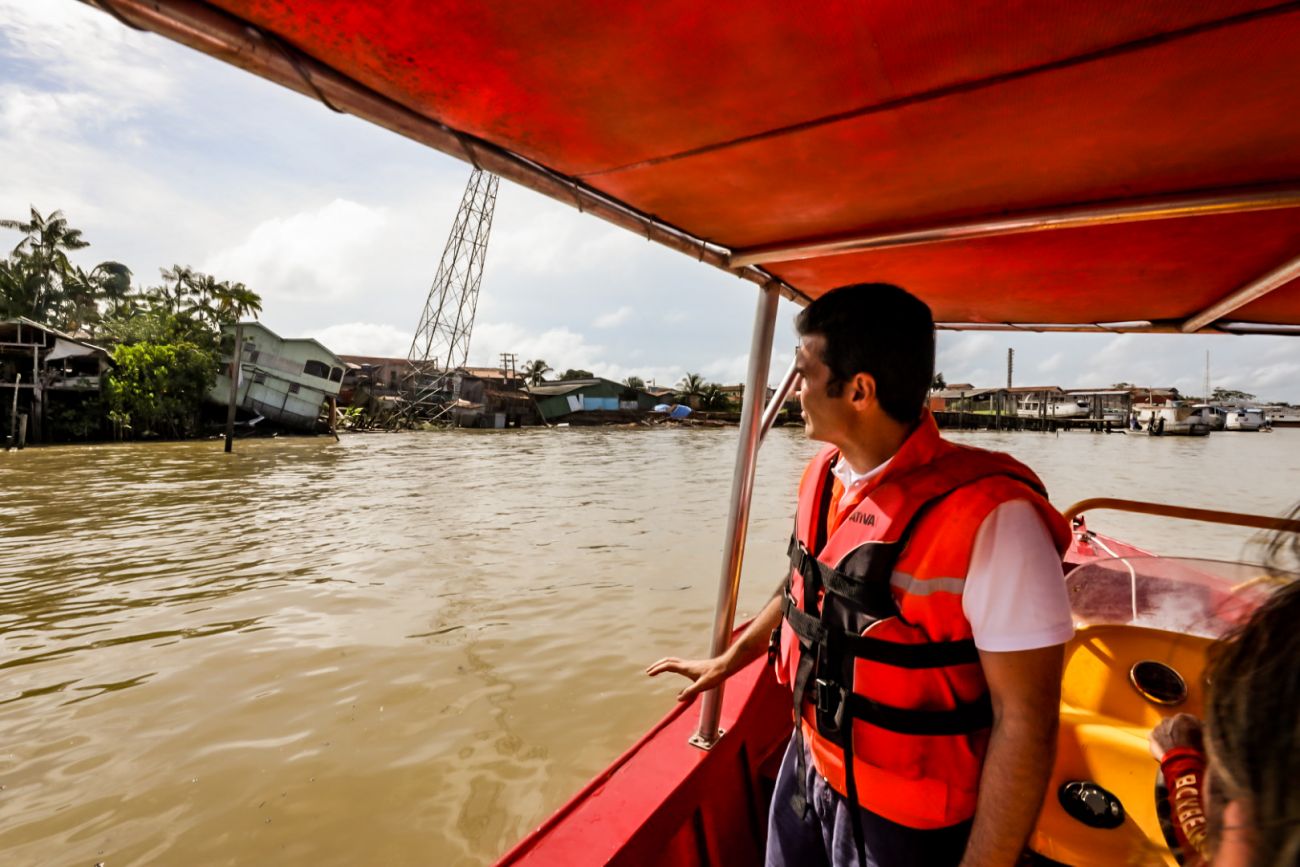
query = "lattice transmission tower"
{"x": 441, "y": 343}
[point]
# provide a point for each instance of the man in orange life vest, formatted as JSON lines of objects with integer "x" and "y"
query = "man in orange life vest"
{"x": 922, "y": 622}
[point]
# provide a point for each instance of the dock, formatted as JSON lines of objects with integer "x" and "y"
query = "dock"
{"x": 958, "y": 420}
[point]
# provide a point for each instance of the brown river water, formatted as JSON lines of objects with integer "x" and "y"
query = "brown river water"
{"x": 409, "y": 649}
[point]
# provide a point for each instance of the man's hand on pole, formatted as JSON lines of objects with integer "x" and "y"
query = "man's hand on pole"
{"x": 705, "y": 674}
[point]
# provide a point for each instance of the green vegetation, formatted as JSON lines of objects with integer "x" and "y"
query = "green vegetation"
{"x": 1224, "y": 395}
{"x": 708, "y": 396}
{"x": 157, "y": 388}
{"x": 634, "y": 382}
{"x": 574, "y": 373}
{"x": 535, "y": 371}
{"x": 166, "y": 340}
{"x": 713, "y": 398}
{"x": 38, "y": 281}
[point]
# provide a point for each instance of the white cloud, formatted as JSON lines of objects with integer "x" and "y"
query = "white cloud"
{"x": 961, "y": 349}
{"x": 83, "y": 51}
{"x": 534, "y": 238}
{"x": 560, "y": 347}
{"x": 617, "y": 317}
{"x": 34, "y": 116}
{"x": 320, "y": 254}
{"x": 1274, "y": 375}
{"x": 727, "y": 370}
{"x": 365, "y": 338}
{"x": 1051, "y": 363}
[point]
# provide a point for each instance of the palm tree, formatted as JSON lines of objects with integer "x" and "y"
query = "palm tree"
{"x": 114, "y": 284}
{"x": 535, "y": 371}
{"x": 180, "y": 296}
{"x": 712, "y": 397}
{"x": 19, "y": 289}
{"x": 204, "y": 293}
{"x": 237, "y": 301}
{"x": 45, "y": 246}
{"x": 79, "y": 307}
{"x": 691, "y": 385}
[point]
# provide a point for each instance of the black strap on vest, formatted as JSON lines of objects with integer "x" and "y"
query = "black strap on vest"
{"x": 807, "y": 655}
{"x": 861, "y": 585}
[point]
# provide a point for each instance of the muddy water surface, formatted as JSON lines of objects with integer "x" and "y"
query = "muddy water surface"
{"x": 407, "y": 649}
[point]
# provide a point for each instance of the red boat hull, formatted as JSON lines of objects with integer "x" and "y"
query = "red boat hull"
{"x": 667, "y": 802}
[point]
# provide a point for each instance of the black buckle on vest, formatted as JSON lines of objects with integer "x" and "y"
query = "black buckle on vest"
{"x": 774, "y": 645}
{"x": 801, "y": 560}
{"x": 829, "y": 698}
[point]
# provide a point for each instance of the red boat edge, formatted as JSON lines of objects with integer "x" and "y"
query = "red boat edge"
{"x": 665, "y": 801}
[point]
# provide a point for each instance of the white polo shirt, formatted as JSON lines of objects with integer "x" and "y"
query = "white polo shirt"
{"x": 1014, "y": 596}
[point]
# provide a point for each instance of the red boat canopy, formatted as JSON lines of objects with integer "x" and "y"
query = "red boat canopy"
{"x": 1020, "y": 163}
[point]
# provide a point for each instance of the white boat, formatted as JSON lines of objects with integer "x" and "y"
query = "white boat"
{"x": 1244, "y": 419}
{"x": 1035, "y": 407}
{"x": 1214, "y": 416}
{"x": 1171, "y": 419}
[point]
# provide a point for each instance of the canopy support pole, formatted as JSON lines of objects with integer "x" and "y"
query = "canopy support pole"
{"x": 778, "y": 399}
{"x": 1252, "y": 291}
{"x": 742, "y": 488}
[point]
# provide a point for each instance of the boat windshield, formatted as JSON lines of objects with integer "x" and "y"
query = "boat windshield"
{"x": 1205, "y": 598}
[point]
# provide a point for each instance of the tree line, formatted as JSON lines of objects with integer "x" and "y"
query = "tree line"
{"x": 165, "y": 339}
{"x": 710, "y": 395}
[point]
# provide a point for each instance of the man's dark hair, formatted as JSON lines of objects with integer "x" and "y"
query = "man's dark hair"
{"x": 880, "y": 329}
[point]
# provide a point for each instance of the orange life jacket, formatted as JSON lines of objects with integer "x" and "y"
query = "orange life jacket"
{"x": 874, "y": 641}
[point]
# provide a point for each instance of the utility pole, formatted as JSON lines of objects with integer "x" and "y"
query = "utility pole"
{"x": 236, "y": 366}
{"x": 508, "y": 362}
{"x": 1207, "y": 376}
{"x": 13, "y": 416}
{"x": 1010, "y": 365}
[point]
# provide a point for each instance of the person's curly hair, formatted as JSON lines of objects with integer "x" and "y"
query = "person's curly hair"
{"x": 1252, "y": 717}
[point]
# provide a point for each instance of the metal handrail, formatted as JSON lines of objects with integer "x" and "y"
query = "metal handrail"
{"x": 742, "y": 489}
{"x": 778, "y": 399}
{"x": 1213, "y": 516}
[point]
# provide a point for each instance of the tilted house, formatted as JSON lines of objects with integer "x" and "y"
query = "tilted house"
{"x": 284, "y": 379}
{"x": 558, "y": 399}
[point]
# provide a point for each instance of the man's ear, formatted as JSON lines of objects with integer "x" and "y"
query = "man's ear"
{"x": 862, "y": 389}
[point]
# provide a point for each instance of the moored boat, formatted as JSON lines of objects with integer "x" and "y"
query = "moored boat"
{"x": 1244, "y": 419}
{"x": 768, "y": 142}
{"x": 1172, "y": 420}
{"x": 1034, "y": 406}
{"x": 1212, "y": 416}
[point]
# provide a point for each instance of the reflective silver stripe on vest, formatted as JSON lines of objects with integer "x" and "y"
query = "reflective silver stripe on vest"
{"x": 925, "y": 586}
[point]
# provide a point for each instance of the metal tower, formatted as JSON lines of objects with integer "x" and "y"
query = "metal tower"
{"x": 441, "y": 343}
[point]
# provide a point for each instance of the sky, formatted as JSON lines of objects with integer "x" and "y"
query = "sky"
{"x": 163, "y": 156}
